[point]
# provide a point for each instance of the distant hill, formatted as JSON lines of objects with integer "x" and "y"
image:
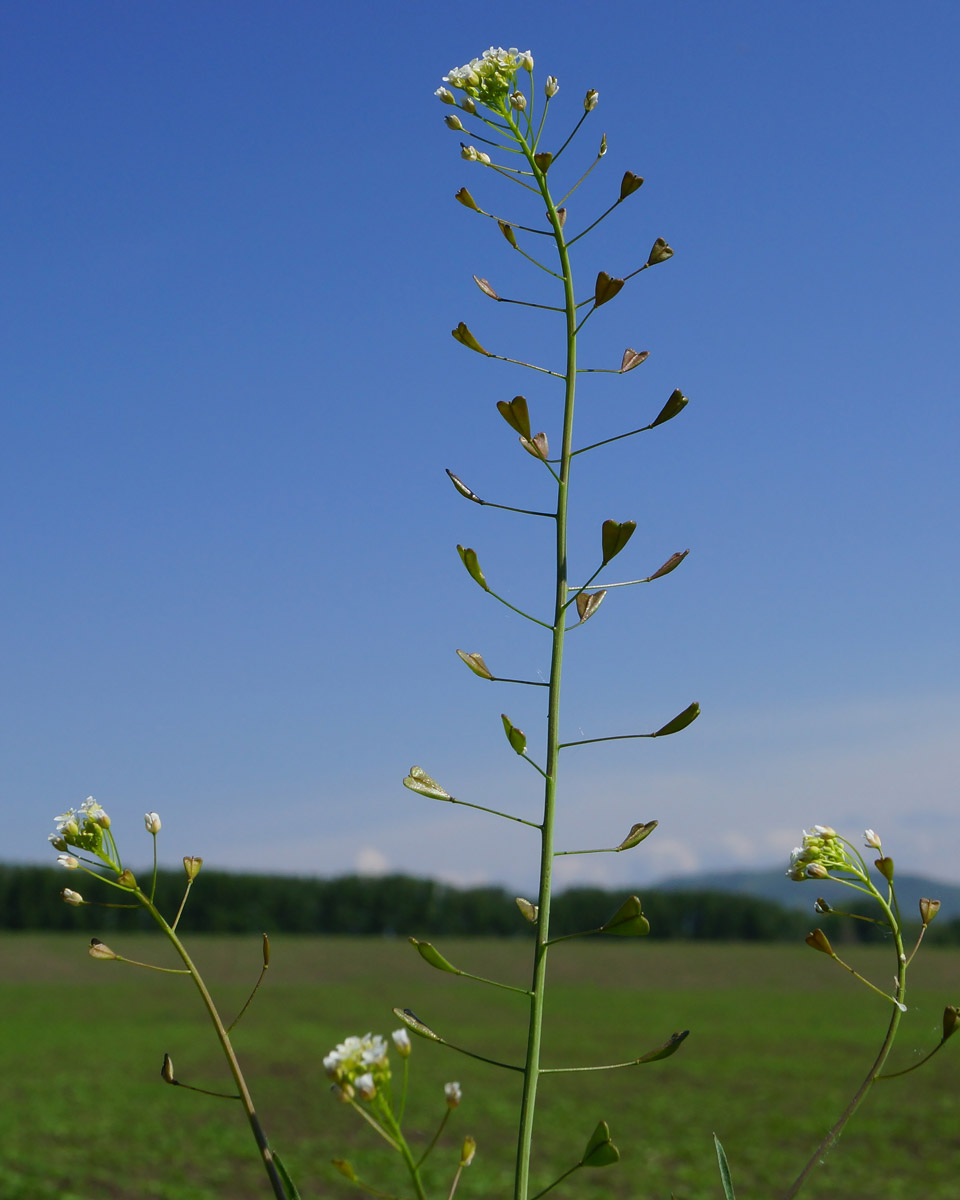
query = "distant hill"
{"x": 774, "y": 885}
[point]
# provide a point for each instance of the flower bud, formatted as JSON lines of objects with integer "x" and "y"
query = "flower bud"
{"x": 817, "y": 870}
{"x": 452, "y": 121}
{"x": 71, "y": 897}
{"x": 345, "y": 1169}
{"x": 68, "y": 861}
{"x": 468, "y": 105}
{"x": 951, "y": 1019}
{"x": 366, "y": 1088}
{"x": 192, "y": 866}
{"x": 401, "y": 1039}
{"x": 152, "y": 822}
{"x": 824, "y": 831}
{"x": 483, "y": 157}
{"x": 468, "y": 1150}
{"x": 928, "y": 909}
{"x": 590, "y": 100}
{"x": 166, "y": 1071}
{"x": 56, "y": 841}
{"x": 342, "y": 1092}
{"x": 444, "y": 95}
{"x": 871, "y": 839}
{"x": 453, "y": 1094}
{"x": 99, "y": 949}
{"x": 525, "y": 60}
{"x": 469, "y": 153}
{"x": 551, "y": 87}
{"x": 518, "y": 101}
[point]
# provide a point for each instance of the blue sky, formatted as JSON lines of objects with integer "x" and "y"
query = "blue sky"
{"x": 232, "y": 260}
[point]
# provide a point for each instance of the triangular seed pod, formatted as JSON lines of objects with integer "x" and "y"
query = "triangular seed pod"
{"x": 671, "y": 1046}
{"x": 600, "y": 1150}
{"x": 516, "y": 415}
{"x": 484, "y": 286}
{"x": 516, "y": 737}
{"x": 415, "y": 1025}
{"x": 928, "y": 909}
{"x": 468, "y": 1150}
{"x": 680, "y": 721}
{"x": 628, "y": 920}
{"x": 629, "y": 184}
{"x": 671, "y": 564}
{"x": 507, "y": 231}
{"x": 419, "y": 781}
{"x": 637, "y": 834}
{"x": 951, "y": 1021}
{"x": 659, "y": 253}
{"x": 561, "y": 216}
{"x": 475, "y": 663}
{"x": 674, "y": 405}
{"x": 466, "y": 199}
{"x": 884, "y": 865}
{"x": 469, "y": 559}
{"x": 432, "y": 955}
{"x": 614, "y": 536}
{"x": 462, "y": 487}
{"x": 605, "y": 288}
{"x": 588, "y": 603}
{"x": 466, "y": 338}
{"x": 529, "y": 910}
{"x": 538, "y": 445}
{"x": 632, "y": 358}
{"x": 543, "y": 160}
{"x": 819, "y": 941}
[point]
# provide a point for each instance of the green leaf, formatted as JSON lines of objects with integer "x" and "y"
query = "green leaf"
{"x": 637, "y": 834}
{"x": 676, "y": 403}
{"x": 419, "y": 781}
{"x": 288, "y": 1185}
{"x": 600, "y": 1150}
{"x": 629, "y": 184}
{"x": 516, "y": 414}
{"x": 614, "y": 536}
{"x": 432, "y": 955}
{"x": 415, "y": 1025}
{"x": 463, "y": 335}
{"x": 680, "y": 721}
{"x": 628, "y": 920}
{"x": 475, "y": 663}
{"x": 469, "y": 559}
{"x": 632, "y": 358}
{"x": 605, "y": 288}
{"x": 588, "y": 603}
{"x": 724, "y": 1171}
{"x": 671, "y": 564}
{"x": 671, "y": 1046}
{"x": 516, "y": 737}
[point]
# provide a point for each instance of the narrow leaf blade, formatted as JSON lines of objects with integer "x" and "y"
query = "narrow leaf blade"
{"x": 725, "y": 1179}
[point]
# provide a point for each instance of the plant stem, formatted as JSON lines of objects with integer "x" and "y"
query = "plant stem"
{"x": 538, "y": 985}
{"x": 246, "y": 1099}
{"x": 875, "y": 1069}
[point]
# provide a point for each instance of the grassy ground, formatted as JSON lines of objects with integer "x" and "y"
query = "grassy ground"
{"x": 780, "y": 1039}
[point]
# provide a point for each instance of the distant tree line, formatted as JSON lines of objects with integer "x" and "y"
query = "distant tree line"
{"x": 222, "y": 902}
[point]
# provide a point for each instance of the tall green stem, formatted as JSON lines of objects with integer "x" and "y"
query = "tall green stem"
{"x": 245, "y": 1098}
{"x": 538, "y": 985}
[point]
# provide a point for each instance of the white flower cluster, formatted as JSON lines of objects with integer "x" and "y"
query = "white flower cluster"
{"x": 489, "y": 77}
{"x": 822, "y": 852}
{"x": 81, "y": 827}
{"x": 359, "y": 1063}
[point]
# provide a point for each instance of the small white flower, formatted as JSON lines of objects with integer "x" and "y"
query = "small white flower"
{"x": 71, "y": 897}
{"x": 518, "y": 101}
{"x": 152, "y": 822}
{"x": 401, "y": 1039}
{"x": 871, "y": 839}
{"x": 551, "y": 87}
{"x": 483, "y": 158}
{"x": 365, "y": 1086}
{"x": 68, "y": 861}
{"x": 526, "y": 60}
{"x": 445, "y": 96}
{"x": 453, "y": 1094}
{"x": 824, "y": 831}
{"x": 331, "y": 1064}
{"x": 469, "y": 153}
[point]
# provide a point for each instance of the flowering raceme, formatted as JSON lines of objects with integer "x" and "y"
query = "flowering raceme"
{"x": 354, "y": 1059}
{"x": 488, "y": 78}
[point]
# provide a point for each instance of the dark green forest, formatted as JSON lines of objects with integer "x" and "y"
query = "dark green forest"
{"x": 400, "y": 905}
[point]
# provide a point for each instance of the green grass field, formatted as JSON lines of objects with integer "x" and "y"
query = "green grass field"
{"x": 780, "y": 1038}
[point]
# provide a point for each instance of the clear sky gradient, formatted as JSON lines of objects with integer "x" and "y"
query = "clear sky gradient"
{"x": 230, "y": 591}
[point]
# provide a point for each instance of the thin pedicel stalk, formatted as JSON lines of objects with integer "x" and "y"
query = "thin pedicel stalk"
{"x": 245, "y": 1098}
{"x": 532, "y": 1063}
